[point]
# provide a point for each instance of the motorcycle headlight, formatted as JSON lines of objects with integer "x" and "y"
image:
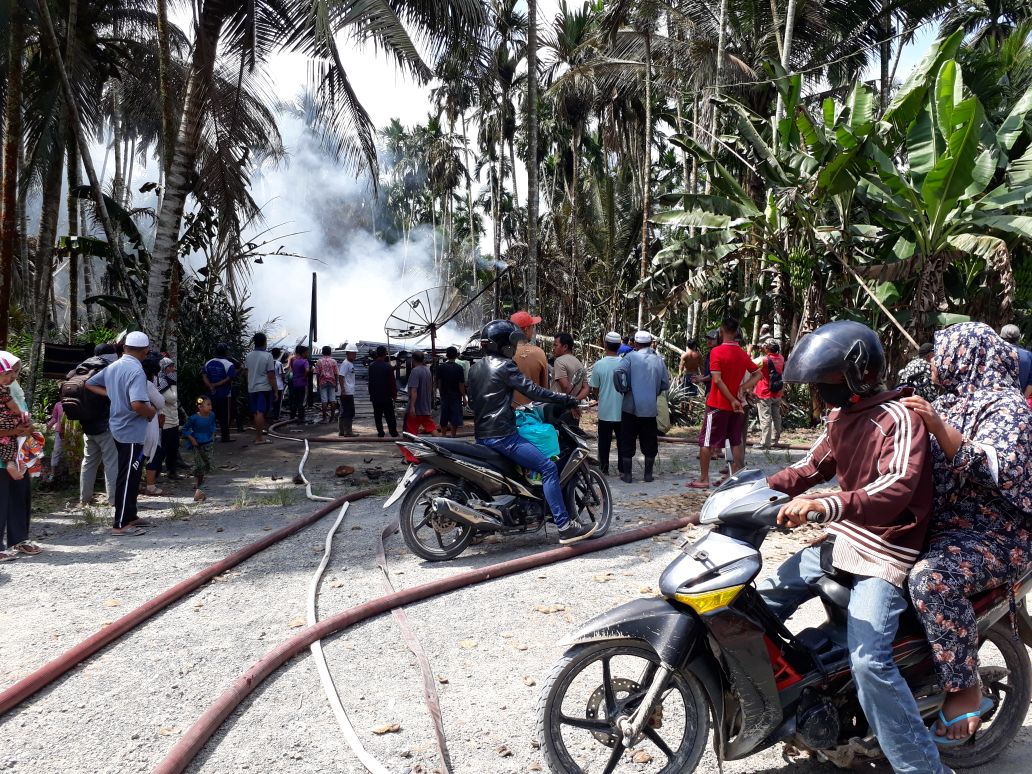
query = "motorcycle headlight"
{"x": 718, "y": 502}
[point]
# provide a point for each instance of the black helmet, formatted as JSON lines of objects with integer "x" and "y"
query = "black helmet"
{"x": 843, "y": 347}
{"x": 500, "y": 337}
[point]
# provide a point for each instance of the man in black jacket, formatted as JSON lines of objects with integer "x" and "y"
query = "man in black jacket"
{"x": 98, "y": 445}
{"x": 491, "y": 384}
{"x": 383, "y": 389}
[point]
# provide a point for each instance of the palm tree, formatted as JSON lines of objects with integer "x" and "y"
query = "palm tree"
{"x": 533, "y": 189}
{"x": 12, "y": 140}
{"x": 251, "y": 32}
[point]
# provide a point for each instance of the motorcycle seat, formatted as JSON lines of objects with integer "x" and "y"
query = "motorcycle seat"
{"x": 475, "y": 451}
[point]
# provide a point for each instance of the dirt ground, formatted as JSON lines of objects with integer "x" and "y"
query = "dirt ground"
{"x": 490, "y": 646}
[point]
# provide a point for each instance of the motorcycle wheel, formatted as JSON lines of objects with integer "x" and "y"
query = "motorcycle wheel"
{"x": 998, "y": 653}
{"x": 592, "y": 686}
{"x": 428, "y": 536}
{"x": 588, "y": 499}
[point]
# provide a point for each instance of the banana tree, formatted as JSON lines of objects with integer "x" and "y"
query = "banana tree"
{"x": 964, "y": 192}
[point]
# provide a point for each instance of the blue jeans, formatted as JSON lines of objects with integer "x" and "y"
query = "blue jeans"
{"x": 528, "y": 456}
{"x": 875, "y": 606}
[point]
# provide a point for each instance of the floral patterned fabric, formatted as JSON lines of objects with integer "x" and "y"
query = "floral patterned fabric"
{"x": 8, "y": 421}
{"x": 980, "y": 536}
{"x": 918, "y": 374}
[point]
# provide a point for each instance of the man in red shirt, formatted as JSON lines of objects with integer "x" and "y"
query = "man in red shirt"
{"x": 725, "y": 413}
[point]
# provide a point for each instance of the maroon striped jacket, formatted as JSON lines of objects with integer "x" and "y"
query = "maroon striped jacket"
{"x": 880, "y": 453}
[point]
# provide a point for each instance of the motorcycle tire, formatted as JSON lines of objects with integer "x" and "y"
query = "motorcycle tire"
{"x": 1002, "y": 725}
{"x": 417, "y": 521}
{"x": 607, "y": 755}
{"x": 588, "y": 498}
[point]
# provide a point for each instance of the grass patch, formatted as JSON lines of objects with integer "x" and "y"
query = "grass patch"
{"x": 180, "y": 512}
{"x": 282, "y": 496}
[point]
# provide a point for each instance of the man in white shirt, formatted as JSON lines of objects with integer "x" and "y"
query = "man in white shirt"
{"x": 346, "y": 382}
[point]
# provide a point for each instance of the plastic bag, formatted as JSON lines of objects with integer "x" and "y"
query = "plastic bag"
{"x": 530, "y": 425}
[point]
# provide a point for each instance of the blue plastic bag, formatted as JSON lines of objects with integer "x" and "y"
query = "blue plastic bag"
{"x": 530, "y": 424}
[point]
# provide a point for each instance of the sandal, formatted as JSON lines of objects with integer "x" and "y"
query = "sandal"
{"x": 152, "y": 491}
{"x": 140, "y": 523}
{"x": 9, "y": 555}
{"x": 27, "y": 548}
{"x": 945, "y": 741}
{"x": 699, "y": 485}
{"x": 129, "y": 532}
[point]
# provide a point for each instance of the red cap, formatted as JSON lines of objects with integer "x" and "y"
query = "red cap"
{"x": 523, "y": 319}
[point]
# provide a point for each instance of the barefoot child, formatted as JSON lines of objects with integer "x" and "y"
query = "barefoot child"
{"x": 199, "y": 431}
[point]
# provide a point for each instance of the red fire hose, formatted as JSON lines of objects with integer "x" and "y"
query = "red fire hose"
{"x": 201, "y": 731}
{"x": 51, "y": 671}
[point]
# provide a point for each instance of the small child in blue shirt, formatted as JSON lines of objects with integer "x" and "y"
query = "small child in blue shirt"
{"x": 199, "y": 431}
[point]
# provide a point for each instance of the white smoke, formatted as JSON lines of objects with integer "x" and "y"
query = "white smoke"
{"x": 361, "y": 278}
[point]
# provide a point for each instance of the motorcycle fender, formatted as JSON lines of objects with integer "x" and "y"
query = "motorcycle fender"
{"x": 1024, "y": 622}
{"x": 413, "y": 475}
{"x": 654, "y": 621}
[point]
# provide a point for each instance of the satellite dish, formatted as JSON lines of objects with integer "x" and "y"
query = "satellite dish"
{"x": 423, "y": 313}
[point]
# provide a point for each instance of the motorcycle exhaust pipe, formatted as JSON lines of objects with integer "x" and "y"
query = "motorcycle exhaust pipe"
{"x": 450, "y": 509}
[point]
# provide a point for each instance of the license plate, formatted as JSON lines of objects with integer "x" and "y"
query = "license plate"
{"x": 399, "y": 490}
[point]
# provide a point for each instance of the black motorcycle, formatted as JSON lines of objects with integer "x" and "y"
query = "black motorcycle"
{"x": 640, "y": 684}
{"x": 455, "y": 491}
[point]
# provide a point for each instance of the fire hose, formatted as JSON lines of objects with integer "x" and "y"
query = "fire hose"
{"x": 52, "y": 670}
{"x": 194, "y": 739}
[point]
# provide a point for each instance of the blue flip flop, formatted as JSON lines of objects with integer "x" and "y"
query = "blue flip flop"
{"x": 945, "y": 741}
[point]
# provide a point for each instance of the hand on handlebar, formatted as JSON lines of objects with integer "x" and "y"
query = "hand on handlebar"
{"x": 800, "y": 511}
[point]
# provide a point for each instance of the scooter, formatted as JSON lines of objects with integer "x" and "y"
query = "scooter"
{"x": 455, "y": 491}
{"x": 638, "y": 687}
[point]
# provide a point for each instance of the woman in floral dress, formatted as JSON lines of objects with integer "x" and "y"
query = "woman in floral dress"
{"x": 981, "y": 533}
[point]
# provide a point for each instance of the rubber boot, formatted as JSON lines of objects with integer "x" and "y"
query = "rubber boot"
{"x": 604, "y": 467}
{"x": 341, "y": 427}
{"x": 625, "y": 476}
{"x": 348, "y": 425}
{"x": 649, "y": 464}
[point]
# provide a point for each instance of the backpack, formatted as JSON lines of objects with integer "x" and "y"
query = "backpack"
{"x": 77, "y": 402}
{"x": 774, "y": 379}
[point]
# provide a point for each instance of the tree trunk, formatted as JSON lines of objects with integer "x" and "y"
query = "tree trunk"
{"x": 718, "y": 77}
{"x": 51, "y": 208}
{"x": 168, "y": 110}
{"x": 118, "y": 184}
{"x": 12, "y": 144}
{"x": 178, "y": 181}
{"x": 532, "y": 156}
{"x": 786, "y": 54}
{"x": 72, "y": 173}
{"x": 496, "y": 214}
{"x": 885, "y": 57}
{"x": 646, "y": 178}
{"x": 72, "y": 204}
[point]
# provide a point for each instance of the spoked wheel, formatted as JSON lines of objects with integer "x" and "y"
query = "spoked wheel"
{"x": 593, "y": 686}
{"x": 427, "y": 535}
{"x": 588, "y": 499}
{"x": 1006, "y": 679}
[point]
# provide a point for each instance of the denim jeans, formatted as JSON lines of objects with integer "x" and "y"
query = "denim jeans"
{"x": 528, "y": 456}
{"x": 875, "y": 606}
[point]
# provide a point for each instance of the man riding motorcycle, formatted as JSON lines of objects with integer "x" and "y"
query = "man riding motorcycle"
{"x": 877, "y": 524}
{"x": 490, "y": 385}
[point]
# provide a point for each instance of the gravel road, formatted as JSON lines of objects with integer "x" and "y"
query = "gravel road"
{"x": 491, "y": 646}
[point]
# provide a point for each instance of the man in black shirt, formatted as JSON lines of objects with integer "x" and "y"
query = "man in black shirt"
{"x": 451, "y": 383}
{"x": 383, "y": 389}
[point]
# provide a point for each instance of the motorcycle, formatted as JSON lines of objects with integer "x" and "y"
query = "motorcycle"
{"x": 455, "y": 491}
{"x": 639, "y": 685}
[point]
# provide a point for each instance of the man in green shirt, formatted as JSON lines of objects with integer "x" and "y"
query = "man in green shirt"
{"x": 610, "y": 402}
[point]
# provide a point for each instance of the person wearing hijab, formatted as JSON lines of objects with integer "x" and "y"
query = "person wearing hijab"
{"x": 981, "y": 534}
{"x": 15, "y": 495}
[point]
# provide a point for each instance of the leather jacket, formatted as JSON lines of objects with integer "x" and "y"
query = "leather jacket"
{"x": 490, "y": 385}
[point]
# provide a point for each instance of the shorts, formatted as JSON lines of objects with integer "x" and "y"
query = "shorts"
{"x": 719, "y": 426}
{"x": 260, "y": 402}
{"x": 327, "y": 393}
{"x": 419, "y": 424}
{"x": 451, "y": 411}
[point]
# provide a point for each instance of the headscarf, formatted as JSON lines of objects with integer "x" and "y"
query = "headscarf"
{"x": 979, "y": 372}
{"x": 8, "y": 362}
